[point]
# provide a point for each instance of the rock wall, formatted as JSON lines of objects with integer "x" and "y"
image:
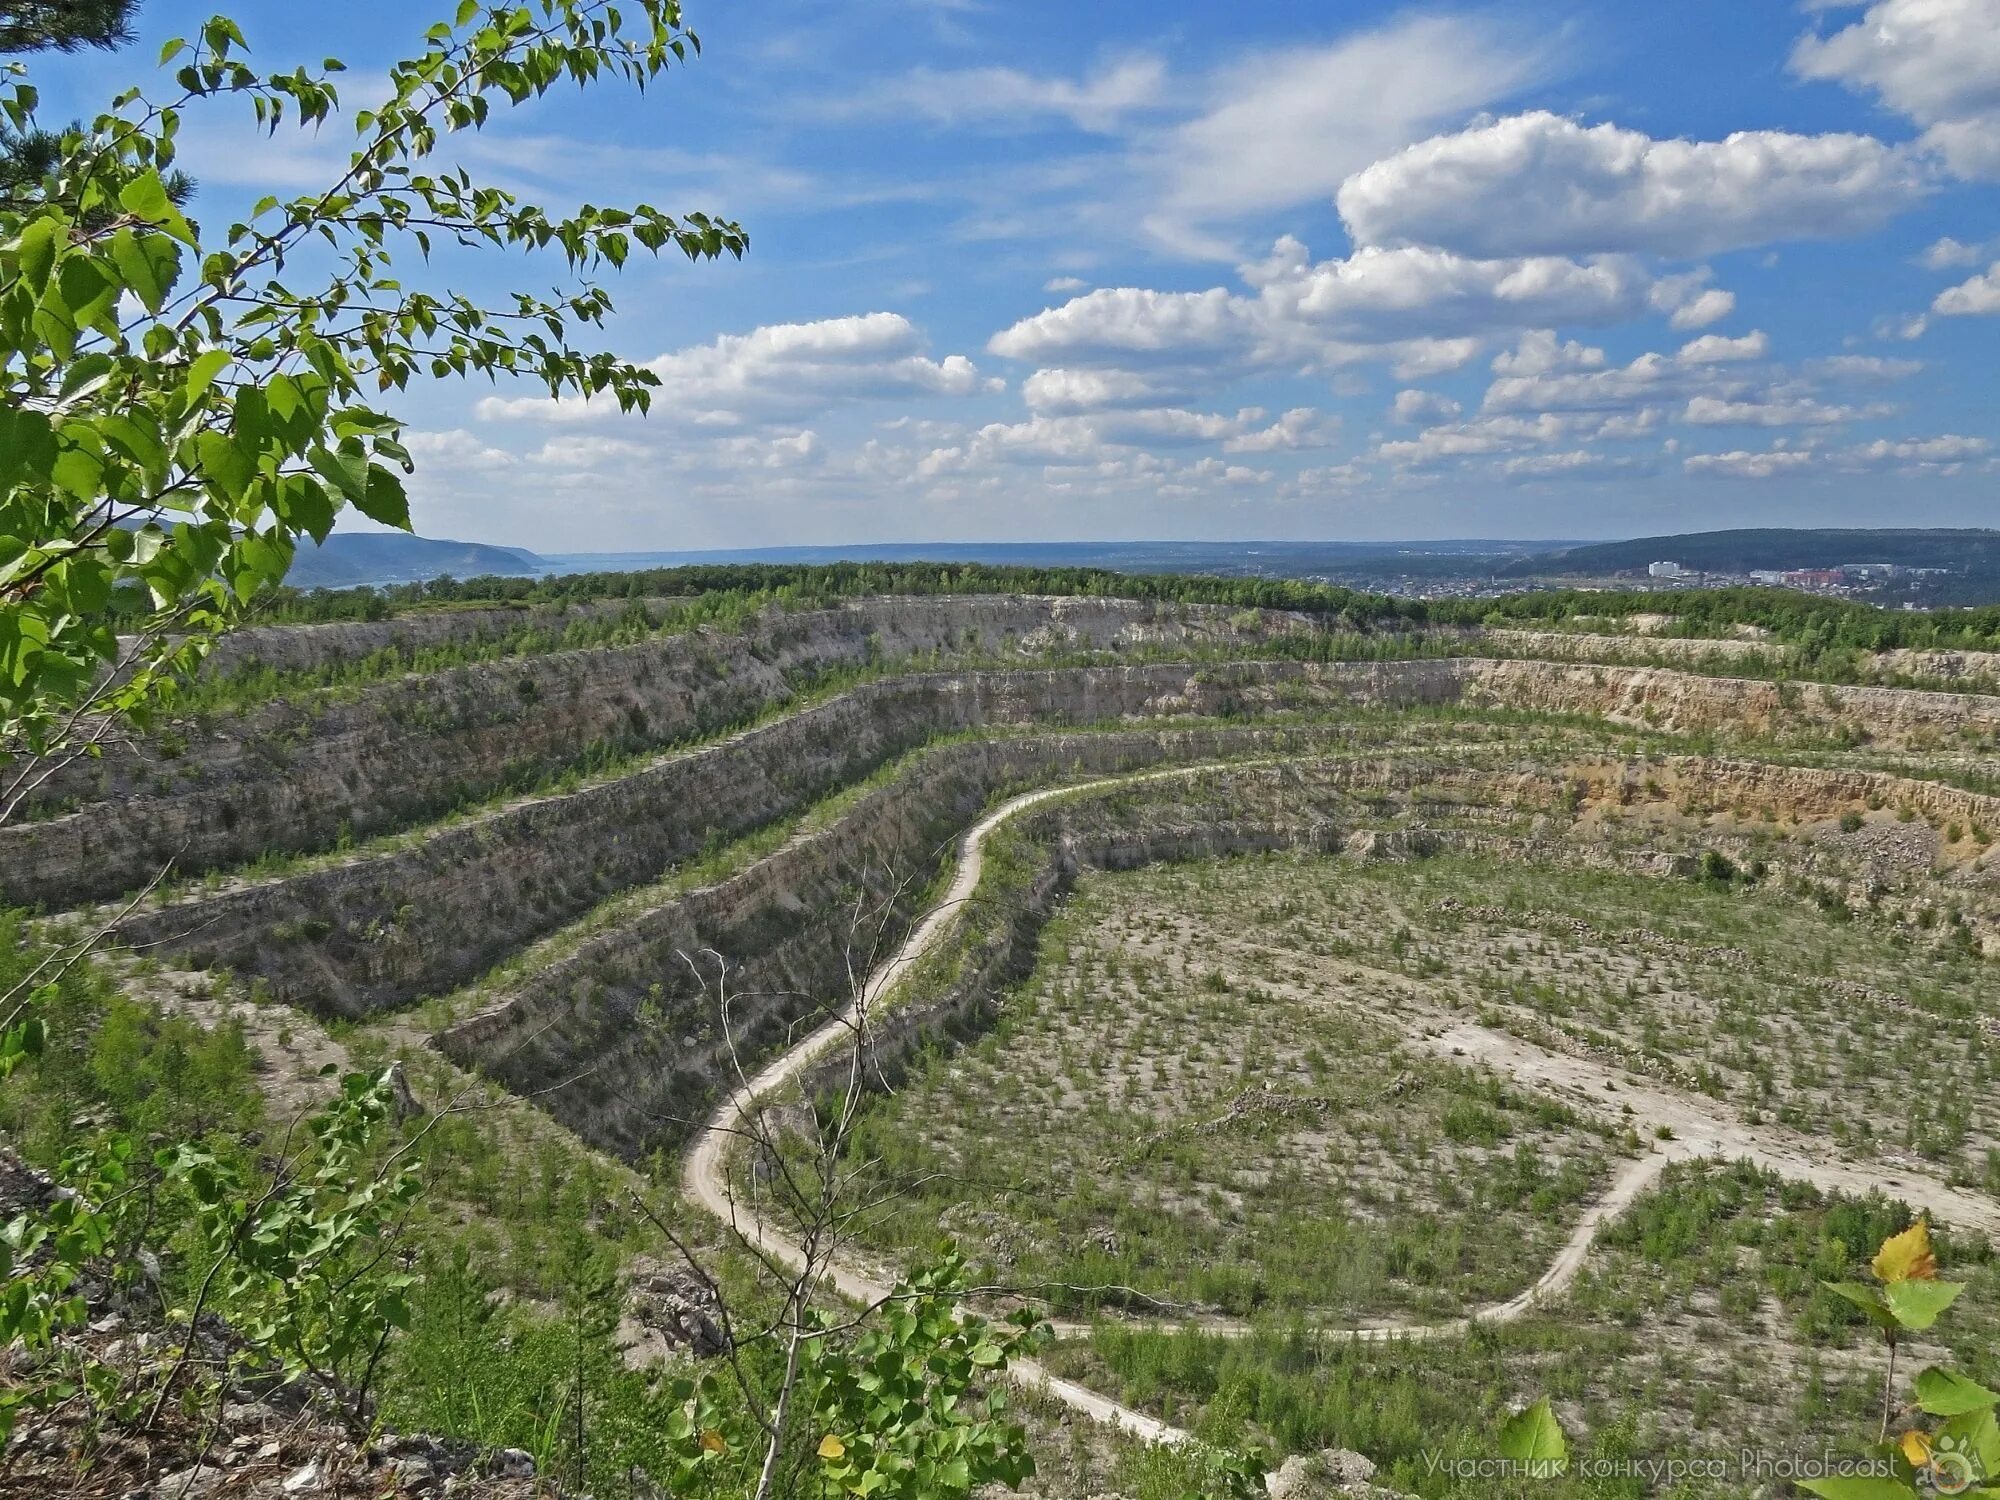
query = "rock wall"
{"x": 302, "y": 776}
{"x": 1805, "y": 793}
{"x": 629, "y": 1023}
{"x": 1662, "y": 698}
{"x": 1964, "y": 670}
{"x": 624, "y": 1043}
{"x": 370, "y": 934}
{"x": 1976, "y": 668}
{"x": 315, "y": 648}
{"x": 377, "y": 932}
{"x": 1562, "y": 645}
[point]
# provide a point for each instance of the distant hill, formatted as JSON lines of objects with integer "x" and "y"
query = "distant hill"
{"x": 1968, "y": 550}
{"x": 346, "y": 560}
{"x": 1252, "y": 559}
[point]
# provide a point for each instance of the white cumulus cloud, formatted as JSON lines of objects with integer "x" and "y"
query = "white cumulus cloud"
{"x": 1977, "y": 296}
{"x": 1948, "y": 254}
{"x": 1575, "y": 463}
{"x": 1716, "y": 349}
{"x": 1541, "y": 184}
{"x": 1301, "y": 427}
{"x": 1861, "y": 367}
{"x": 1739, "y": 463}
{"x": 1936, "y": 61}
{"x": 1714, "y": 411}
{"x": 456, "y": 448}
{"x": 779, "y": 371}
{"x": 1540, "y": 352}
{"x": 1413, "y": 406}
{"x": 1119, "y": 321}
{"x": 1286, "y": 125}
{"x": 1947, "y": 453}
{"x": 1061, "y": 390}
{"x": 1705, "y": 307}
{"x": 1422, "y": 311}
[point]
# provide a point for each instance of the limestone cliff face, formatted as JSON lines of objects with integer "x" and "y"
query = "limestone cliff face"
{"x": 368, "y": 933}
{"x": 1662, "y": 698}
{"x": 300, "y": 776}
{"x": 1978, "y": 670}
{"x": 312, "y": 648}
{"x": 626, "y": 1033}
{"x": 303, "y": 776}
{"x": 639, "y": 1029}
{"x": 1561, "y": 645}
{"x": 647, "y": 1018}
{"x": 623, "y": 1039}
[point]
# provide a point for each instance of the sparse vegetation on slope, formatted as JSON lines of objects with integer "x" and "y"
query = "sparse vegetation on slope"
{"x": 1284, "y": 1094}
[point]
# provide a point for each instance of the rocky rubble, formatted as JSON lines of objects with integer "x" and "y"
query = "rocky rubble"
{"x": 258, "y": 1441}
{"x": 1321, "y": 1476}
{"x": 305, "y": 774}
{"x": 668, "y": 1309}
{"x": 253, "y": 1459}
{"x": 1249, "y": 1105}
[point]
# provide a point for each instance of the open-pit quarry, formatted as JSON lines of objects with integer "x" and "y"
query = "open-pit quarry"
{"x": 1331, "y": 1030}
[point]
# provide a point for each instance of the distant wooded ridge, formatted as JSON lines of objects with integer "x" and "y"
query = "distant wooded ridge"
{"x": 353, "y": 559}
{"x": 1815, "y": 623}
{"x": 1963, "y": 551}
{"x": 347, "y": 560}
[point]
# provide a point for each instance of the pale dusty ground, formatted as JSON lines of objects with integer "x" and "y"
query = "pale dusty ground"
{"x": 1697, "y": 1125}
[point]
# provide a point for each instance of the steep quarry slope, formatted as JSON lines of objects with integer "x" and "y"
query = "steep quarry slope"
{"x": 381, "y": 930}
{"x": 1662, "y": 698}
{"x": 305, "y": 774}
{"x": 317, "y": 771}
{"x": 625, "y": 1045}
{"x": 619, "y": 1012}
{"x": 317, "y": 648}
{"x": 788, "y": 928}
{"x": 1971, "y": 669}
{"x": 643, "y": 1030}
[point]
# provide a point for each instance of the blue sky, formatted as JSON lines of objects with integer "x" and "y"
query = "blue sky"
{"x": 1058, "y": 271}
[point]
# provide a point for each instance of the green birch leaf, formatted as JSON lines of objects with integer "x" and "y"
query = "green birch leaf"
{"x": 1916, "y": 1304}
{"x": 1533, "y": 1437}
{"x": 1946, "y": 1393}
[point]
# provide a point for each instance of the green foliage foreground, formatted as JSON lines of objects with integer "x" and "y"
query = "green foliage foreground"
{"x": 315, "y": 1245}
{"x": 181, "y": 405}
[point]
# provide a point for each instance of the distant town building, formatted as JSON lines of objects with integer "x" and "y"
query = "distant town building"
{"x": 1870, "y": 570}
{"x": 1773, "y": 576}
{"x": 1815, "y": 578}
{"x": 1665, "y": 570}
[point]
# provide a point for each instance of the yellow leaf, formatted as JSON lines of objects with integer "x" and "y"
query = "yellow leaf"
{"x": 832, "y": 1447}
{"x": 1916, "y": 1448}
{"x": 713, "y": 1441}
{"x": 1907, "y": 1256}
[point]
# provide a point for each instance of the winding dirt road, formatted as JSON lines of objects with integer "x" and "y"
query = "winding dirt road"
{"x": 1698, "y": 1130}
